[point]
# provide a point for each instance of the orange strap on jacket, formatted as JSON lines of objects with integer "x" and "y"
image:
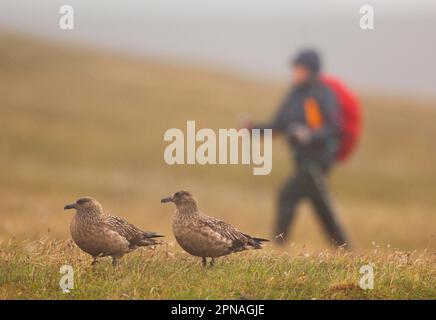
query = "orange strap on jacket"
{"x": 314, "y": 118}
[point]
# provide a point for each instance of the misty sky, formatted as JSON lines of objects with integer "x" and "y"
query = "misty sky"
{"x": 254, "y": 37}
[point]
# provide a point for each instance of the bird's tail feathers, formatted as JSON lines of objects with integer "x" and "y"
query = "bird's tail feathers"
{"x": 149, "y": 239}
{"x": 150, "y": 235}
{"x": 260, "y": 240}
{"x": 256, "y": 243}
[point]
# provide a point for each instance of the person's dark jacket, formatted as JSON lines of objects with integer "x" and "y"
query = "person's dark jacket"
{"x": 324, "y": 141}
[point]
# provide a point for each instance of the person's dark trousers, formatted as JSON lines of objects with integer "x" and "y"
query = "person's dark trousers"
{"x": 309, "y": 181}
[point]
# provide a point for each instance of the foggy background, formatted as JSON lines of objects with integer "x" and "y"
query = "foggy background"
{"x": 254, "y": 38}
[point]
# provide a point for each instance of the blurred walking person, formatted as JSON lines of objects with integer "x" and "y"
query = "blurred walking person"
{"x": 310, "y": 117}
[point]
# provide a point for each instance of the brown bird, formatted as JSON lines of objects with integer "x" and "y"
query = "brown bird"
{"x": 100, "y": 234}
{"x": 204, "y": 236}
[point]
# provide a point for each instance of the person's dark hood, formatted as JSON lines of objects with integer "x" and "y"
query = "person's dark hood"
{"x": 310, "y": 59}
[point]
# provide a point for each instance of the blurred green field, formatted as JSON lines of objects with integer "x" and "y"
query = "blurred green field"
{"x": 76, "y": 122}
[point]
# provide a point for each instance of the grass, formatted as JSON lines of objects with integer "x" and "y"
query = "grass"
{"x": 30, "y": 270}
{"x": 75, "y": 122}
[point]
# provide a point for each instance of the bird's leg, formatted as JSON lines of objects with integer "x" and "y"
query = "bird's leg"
{"x": 94, "y": 262}
{"x": 212, "y": 262}
{"x": 204, "y": 261}
{"x": 114, "y": 262}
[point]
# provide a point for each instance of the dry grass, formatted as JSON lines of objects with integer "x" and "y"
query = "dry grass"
{"x": 30, "y": 270}
{"x": 74, "y": 123}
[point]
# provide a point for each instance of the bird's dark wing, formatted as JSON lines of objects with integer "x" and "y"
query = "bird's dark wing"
{"x": 134, "y": 235}
{"x": 237, "y": 240}
{"x": 224, "y": 229}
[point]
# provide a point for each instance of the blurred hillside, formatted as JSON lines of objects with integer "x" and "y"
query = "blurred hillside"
{"x": 75, "y": 122}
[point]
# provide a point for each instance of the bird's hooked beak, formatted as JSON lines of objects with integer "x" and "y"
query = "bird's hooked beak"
{"x": 167, "y": 199}
{"x": 70, "y": 206}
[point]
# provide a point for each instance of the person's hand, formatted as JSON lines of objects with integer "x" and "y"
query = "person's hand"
{"x": 300, "y": 134}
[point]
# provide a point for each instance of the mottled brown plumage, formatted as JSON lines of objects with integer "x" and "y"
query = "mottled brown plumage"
{"x": 100, "y": 234}
{"x": 205, "y": 236}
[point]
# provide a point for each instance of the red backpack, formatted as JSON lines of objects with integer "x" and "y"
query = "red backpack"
{"x": 351, "y": 116}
